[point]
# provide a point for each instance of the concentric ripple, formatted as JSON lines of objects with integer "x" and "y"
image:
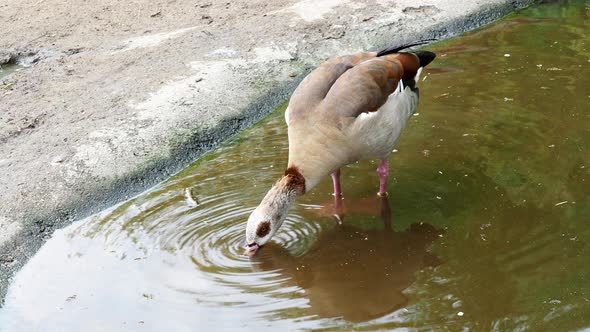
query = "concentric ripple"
{"x": 202, "y": 215}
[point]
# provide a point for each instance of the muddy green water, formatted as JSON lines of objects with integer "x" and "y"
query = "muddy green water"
{"x": 8, "y": 69}
{"x": 487, "y": 225}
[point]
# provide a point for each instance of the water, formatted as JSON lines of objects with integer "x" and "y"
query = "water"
{"x": 7, "y": 69}
{"x": 486, "y": 226}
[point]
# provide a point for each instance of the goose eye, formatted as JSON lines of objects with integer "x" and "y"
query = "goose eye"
{"x": 263, "y": 229}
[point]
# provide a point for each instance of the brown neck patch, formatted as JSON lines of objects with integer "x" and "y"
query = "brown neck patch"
{"x": 295, "y": 181}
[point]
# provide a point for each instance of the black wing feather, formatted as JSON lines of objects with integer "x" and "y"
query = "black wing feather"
{"x": 396, "y": 49}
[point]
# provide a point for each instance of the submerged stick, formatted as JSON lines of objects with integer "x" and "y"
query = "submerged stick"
{"x": 190, "y": 197}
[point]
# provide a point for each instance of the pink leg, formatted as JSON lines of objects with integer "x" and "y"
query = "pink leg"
{"x": 338, "y": 209}
{"x": 383, "y": 172}
{"x": 336, "y": 181}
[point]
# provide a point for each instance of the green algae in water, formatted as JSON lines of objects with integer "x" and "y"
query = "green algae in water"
{"x": 486, "y": 226}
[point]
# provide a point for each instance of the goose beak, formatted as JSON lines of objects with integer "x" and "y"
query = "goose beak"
{"x": 251, "y": 249}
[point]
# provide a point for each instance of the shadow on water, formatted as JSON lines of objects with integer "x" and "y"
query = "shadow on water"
{"x": 486, "y": 226}
{"x": 356, "y": 274}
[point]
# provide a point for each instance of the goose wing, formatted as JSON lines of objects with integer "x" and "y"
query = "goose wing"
{"x": 347, "y": 86}
{"x": 363, "y": 88}
{"x": 313, "y": 89}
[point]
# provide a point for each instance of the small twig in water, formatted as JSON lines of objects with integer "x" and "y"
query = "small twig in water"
{"x": 190, "y": 197}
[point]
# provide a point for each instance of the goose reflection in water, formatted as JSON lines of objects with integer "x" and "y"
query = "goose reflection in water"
{"x": 352, "y": 273}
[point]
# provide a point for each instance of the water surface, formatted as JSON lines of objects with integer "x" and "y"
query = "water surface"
{"x": 9, "y": 68}
{"x": 486, "y": 226}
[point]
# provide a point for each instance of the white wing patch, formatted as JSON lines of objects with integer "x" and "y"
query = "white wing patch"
{"x": 287, "y": 116}
{"x": 417, "y": 77}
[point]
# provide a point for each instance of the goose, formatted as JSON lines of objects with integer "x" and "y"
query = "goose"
{"x": 350, "y": 108}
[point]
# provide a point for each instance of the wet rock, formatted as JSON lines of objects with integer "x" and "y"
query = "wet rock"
{"x": 28, "y": 57}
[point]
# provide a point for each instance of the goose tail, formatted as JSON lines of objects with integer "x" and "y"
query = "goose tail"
{"x": 425, "y": 57}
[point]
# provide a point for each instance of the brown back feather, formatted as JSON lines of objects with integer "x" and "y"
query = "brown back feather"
{"x": 349, "y": 85}
{"x": 363, "y": 88}
{"x": 313, "y": 89}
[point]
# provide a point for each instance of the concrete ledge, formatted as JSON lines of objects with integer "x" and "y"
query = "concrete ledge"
{"x": 116, "y": 99}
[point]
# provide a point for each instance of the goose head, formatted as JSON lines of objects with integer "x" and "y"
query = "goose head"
{"x": 262, "y": 225}
{"x": 268, "y": 217}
